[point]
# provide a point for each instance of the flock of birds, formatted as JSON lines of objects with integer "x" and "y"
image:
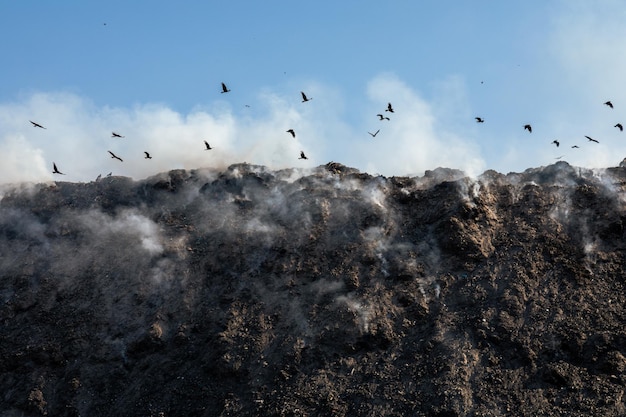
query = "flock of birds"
{"x": 55, "y": 169}
{"x": 207, "y": 146}
{"x": 555, "y": 142}
{"x": 381, "y": 117}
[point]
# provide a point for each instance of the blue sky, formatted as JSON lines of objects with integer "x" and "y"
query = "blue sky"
{"x": 151, "y": 70}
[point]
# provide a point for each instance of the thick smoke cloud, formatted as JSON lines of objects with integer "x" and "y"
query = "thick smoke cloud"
{"x": 421, "y": 140}
{"x": 78, "y": 135}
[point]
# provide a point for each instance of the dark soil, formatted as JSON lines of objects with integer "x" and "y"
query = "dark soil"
{"x": 253, "y": 292}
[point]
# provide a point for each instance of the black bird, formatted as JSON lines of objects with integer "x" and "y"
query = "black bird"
{"x": 55, "y": 170}
{"x": 302, "y": 155}
{"x": 608, "y": 103}
{"x": 115, "y": 156}
{"x": 374, "y": 134}
{"x": 556, "y": 142}
{"x": 389, "y": 108}
{"x": 529, "y": 128}
{"x": 381, "y": 117}
{"x": 116, "y": 135}
{"x": 575, "y": 146}
{"x": 304, "y": 97}
{"x": 620, "y": 127}
{"x": 224, "y": 88}
{"x": 208, "y": 147}
{"x": 147, "y": 155}
{"x": 292, "y": 132}
{"x": 479, "y": 120}
{"x": 591, "y": 139}
{"x": 36, "y": 124}
{"x": 98, "y": 177}
{"x": 559, "y": 157}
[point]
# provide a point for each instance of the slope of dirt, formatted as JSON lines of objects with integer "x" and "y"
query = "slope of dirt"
{"x": 328, "y": 292}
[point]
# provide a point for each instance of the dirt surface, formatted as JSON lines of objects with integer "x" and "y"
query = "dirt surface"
{"x": 252, "y": 292}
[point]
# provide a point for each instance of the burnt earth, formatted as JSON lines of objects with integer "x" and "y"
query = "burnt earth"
{"x": 331, "y": 292}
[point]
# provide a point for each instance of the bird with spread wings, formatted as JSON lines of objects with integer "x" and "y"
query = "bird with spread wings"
{"x": 115, "y": 156}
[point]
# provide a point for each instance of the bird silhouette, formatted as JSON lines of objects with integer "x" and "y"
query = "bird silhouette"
{"x": 529, "y": 128}
{"x": 479, "y": 120}
{"x": 116, "y": 135}
{"x": 556, "y": 142}
{"x": 36, "y": 124}
{"x": 559, "y": 157}
{"x": 55, "y": 170}
{"x": 608, "y": 103}
{"x": 304, "y": 97}
{"x": 620, "y": 127}
{"x": 208, "y": 147}
{"x": 381, "y": 117}
{"x": 389, "y": 108}
{"x": 115, "y": 156}
{"x": 591, "y": 139}
{"x": 293, "y": 133}
{"x": 302, "y": 155}
{"x": 575, "y": 146}
{"x": 98, "y": 177}
{"x": 224, "y": 88}
{"x": 147, "y": 155}
{"x": 109, "y": 174}
{"x": 374, "y": 134}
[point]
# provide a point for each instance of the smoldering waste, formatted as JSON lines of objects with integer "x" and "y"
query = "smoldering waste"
{"x": 314, "y": 293}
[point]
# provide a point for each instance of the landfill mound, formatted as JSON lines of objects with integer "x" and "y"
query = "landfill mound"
{"x": 317, "y": 292}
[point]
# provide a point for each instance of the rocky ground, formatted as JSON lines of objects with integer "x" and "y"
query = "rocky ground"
{"x": 314, "y": 293}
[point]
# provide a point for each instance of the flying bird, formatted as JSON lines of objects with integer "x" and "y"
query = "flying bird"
{"x": 559, "y": 157}
{"x": 591, "y": 139}
{"x": 292, "y": 132}
{"x": 556, "y": 142}
{"x": 147, "y": 155}
{"x": 529, "y": 128}
{"x": 115, "y": 156}
{"x": 304, "y": 97}
{"x": 302, "y": 155}
{"x": 575, "y": 146}
{"x": 116, "y": 135}
{"x": 36, "y": 124}
{"x": 389, "y": 108}
{"x": 98, "y": 177}
{"x": 55, "y": 170}
{"x": 620, "y": 127}
{"x": 479, "y": 120}
{"x": 381, "y": 117}
{"x": 224, "y": 88}
{"x": 608, "y": 103}
{"x": 374, "y": 134}
{"x": 208, "y": 147}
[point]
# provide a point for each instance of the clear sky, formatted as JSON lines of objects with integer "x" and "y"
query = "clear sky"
{"x": 151, "y": 71}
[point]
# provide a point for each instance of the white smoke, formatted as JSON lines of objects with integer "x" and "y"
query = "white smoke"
{"x": 126, "y": 227}
{"x": 78, "y": 134}
{"x": 361, "y": 309}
